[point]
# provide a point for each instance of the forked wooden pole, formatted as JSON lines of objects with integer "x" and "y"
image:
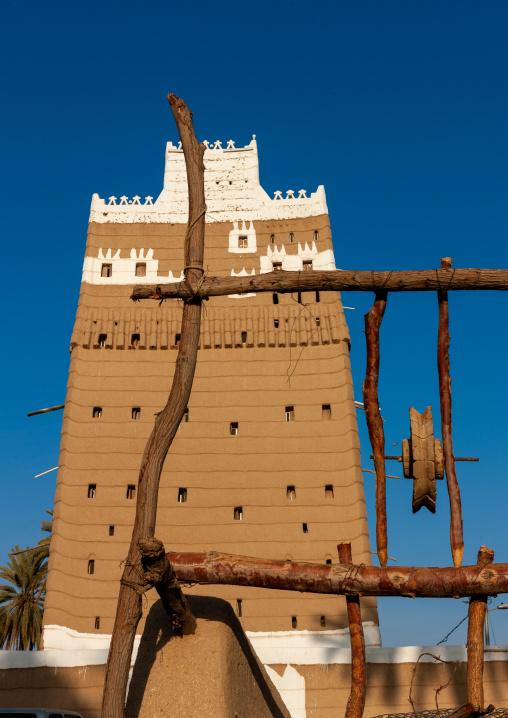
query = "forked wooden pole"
{"x": 167, "y": 422}
{"x": 445, "y": 397}
{"x": 476, "y": 622}
{"x": 356, "y": 701}
{"x": 373, "y": 320}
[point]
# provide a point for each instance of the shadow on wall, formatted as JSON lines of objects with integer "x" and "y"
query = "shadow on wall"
{"x": 212, "y": 671}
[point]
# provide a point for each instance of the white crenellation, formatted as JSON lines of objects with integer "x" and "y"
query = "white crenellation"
{"x": 294, "y": 262}
{"x": 242, "y": 231}
{"x": 123, "y": 270}
{"x": 232, "y": 190}
{"x": 242, "y": 273}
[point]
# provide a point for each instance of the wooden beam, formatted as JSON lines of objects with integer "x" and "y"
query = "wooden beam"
{"x": 476, "y": 620}
{"x": 422, "y": 280}
{"x": 411, "y": 581}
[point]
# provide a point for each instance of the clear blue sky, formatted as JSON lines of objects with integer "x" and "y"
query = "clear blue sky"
{"x": 399, "y": 108}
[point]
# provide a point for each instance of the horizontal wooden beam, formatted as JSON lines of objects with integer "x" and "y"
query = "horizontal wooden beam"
{"x": 421, "y": 280}
{"x": 427, "y": 582}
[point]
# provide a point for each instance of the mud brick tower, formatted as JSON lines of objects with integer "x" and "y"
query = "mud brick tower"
{"x": 267, "y": 460}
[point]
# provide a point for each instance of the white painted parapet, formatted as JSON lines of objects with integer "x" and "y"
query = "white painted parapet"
{"x": 123, "y": 269}
{"x": 294, "y": 262}
{"x": 242, "y": 238}
{"x": 232, "y": 190}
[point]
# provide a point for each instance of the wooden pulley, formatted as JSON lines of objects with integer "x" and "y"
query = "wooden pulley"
{"x": 422, "y": 459}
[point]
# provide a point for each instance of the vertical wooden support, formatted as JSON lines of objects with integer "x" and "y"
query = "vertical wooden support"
{"x": 445, "y": 396}
{"x": 167, "y": 422}
{"x": 356, "y": 702}
{"x": 476, "y": 621}
{"x": 373, "y": 320}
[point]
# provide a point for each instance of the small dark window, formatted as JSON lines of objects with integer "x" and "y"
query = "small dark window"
{"x": 107, "y": 270}
{"x": 277, "y": 266}
{"x": 238, "y": 513}
{"x": 244, "y": 337}
{"x": 323, "y": 621}
{"x": 141, "y": 270}
{"x": 307, "y": 265}
{"x": 326, "y": 412}
{"x": 328, "y": 561}
{"x": 318, "y": 321}
{"x": 294, "y": 622}
{"x": 275, "y": 298}
{"x": 111, "y": 530}
{"x": 135, "y": 340}
{"x": 97, "y": 412}
{"x": 136, "y": 413}
{"x": 239, "y": 607}
{"x": 290, "y": 413}
{"x": 291, "y": 237}
{"x": 242, "y": 242}
{"x": 272, "y": 239}
{"x": 329, "y": 491}
{"x": 233, "y": 428}
{"x": 182, "y": 496}
{"x": 91, "y": 566}
{"x": 276, "y": 323}
{"x": 316, "y": 235}
{"x": 185, "y": 417}
{"x": 131, "y": 490}
{"x": 177, "y": 339}
{"x": 291, "y": 493}
{"x": 97, "y": 622}
{"x": 92, "y": 488}
{"x": 317, "y": 297}
{"x": 102, "y": 340}
{"x": 305, "y": 528}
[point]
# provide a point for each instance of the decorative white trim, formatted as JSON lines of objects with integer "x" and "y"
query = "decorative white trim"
{"x": 240, "y": 229}
{"x": 242, "y": 273}
{"x": 291, "y": 686}
{"x": 124, "y": 269}
{"x": 294, "y": 262}
{"x": 232, "y": 191}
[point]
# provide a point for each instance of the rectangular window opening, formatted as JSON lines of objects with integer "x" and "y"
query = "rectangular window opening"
{"x": 177, "y": 339}
{"x": 316, "y": 235}
{"x": 238, "y": 513}
{"x": 291, "y": 237}
{"x": 111, "y": 530}
{"x": 141, "y": 269}
{"x": 329, "y": 491}
{"x": 294, "y": 622}
{"x": 323, "y": 621}
{"x": 182, "y": 496}
{"x": 106, "y": 270}
{"x": 275, "y": 298}
{"x": 239, "y": 607}
{"x": 276, "y": 323}
{"x": 277, "y": 266}
{"x": 92, "y": 488}
{"x": 318, "y": 321}
{"x": 131, "y": 491}
{"x": 102, "y": 340}
{"x": 91, "y": 566}
{"x": 135, "y": 340}
{"x": 185, "y": 417}
{"x": 97, "y": 622}
{"x": 328, "y": 561}
{"x": 272, "y": 239}
{"x": 242, "y": 242}
{"x": 307, "y": 265}
{"x": 317, "y": 297}
{"x": 290, "y": 413}
{"x": 291, "y": 493}
{"x": 305, "y": 528}
{"x": 136, "y": 413}
{"x": 244, "y": 337}
{"x": 233, "y": 428}
{"x": 326, "y": 412}
{"x": 97, "y": 412}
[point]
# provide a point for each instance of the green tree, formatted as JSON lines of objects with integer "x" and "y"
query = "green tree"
{"x": 43, "y": 546}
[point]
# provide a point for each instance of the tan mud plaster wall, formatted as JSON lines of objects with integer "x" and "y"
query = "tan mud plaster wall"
{"x": 236, "y": 381}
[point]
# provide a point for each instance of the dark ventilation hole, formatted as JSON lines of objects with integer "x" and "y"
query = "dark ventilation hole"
{"x": 244, "y": 337}
{"x": 135, "y": 340}
{"x": 294, "y": 622}
{"x": 329, "y": 491}
{"x": 316, "y": 235}
{"x": 305, "y": 528}
{"x": 141, "y": 270}
{"x": 92, "y": 488}
{"x": 291, "y": 493}
{"x": 323, "y": 621}
{"x": 106, "y": 270}
{"x": 131, "y": 490}
{"x": 238, "y": 513}
{"x": 276, "y": 323}
{"x": 136, "y": 413}
{"x": 97, "y": 412}
{"x": 230, "y": 182}
{"x": 111, "y": 530}
{"x": 290, "y": 413}
{"x": 185, "y": 418}
{"x": 275, "y": 298}
{"x": 91, "y": 566}
{"x": 317, "y": 297}
{"x": 97, "y": 622}
{"x": 318, "y": 321}
{"x": 291, "y": 237}
{"x": 328, "y": 561}
{"x": 102, "y": 340}
{"x": 272, "y": 239}
{"x": 177, "y": 339}
{"x": 182, "y": 496}
{"x": 239, "y": 607}
{"x": 326, "y": 412}
{"x": 233, "y": 428}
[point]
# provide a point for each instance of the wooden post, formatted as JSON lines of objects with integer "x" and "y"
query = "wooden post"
{"x": 167, "y": 422}
{"x": 373, "y": 320}
{"x": 476, "y": 621}
{"x": 445, "y": 396}
{"x": 356, "y": 701}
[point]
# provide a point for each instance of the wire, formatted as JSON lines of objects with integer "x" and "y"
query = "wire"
{"x": 443, "y": 640}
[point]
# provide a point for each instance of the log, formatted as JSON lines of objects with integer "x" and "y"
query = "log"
{"x": 356, "y": 701}
{"x": 445, "y": 398}
{"x": 132, "y": 584}
{"x": 467, "y": 711}
{"x": 476, "y": 620}
{"x": 410, "y": 581}
{"x": 282, "y": 282}
{"x": 373, "y": 320}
